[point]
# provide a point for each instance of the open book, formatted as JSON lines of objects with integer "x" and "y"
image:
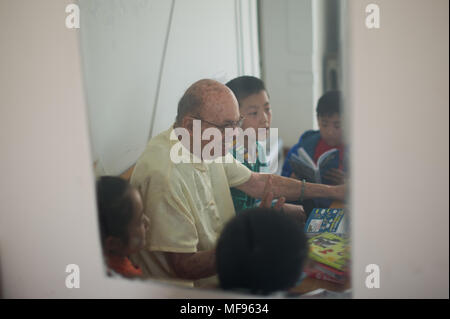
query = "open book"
{"x": 304, "y": 167}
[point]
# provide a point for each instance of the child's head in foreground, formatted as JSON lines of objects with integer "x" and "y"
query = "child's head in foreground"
{"x": 253, "y": 100}
{"x": 261, "y": 251}
{"x": 122, "y": 222}
{"x": 329, "y": 118}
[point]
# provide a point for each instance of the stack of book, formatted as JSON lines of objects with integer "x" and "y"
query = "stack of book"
{"x": 329, "y": 220}
{"x": 328, "y": 258}
{"x": 329, "y": 249}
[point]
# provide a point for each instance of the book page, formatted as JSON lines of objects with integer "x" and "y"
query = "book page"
{"x": 326, "y": 161}
{"x": 305, "y": 167}
{"x": 327, "y": 156}
{"x": 302, "y": 170}
{"x": 305, "y": 157}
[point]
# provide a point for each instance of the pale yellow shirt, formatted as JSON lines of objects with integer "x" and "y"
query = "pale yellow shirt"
{"x": 187, "y": 204}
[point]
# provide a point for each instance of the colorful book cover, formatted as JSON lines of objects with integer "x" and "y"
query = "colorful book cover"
{"x": 322, "y": 220}
{"x": 330, "y": 249}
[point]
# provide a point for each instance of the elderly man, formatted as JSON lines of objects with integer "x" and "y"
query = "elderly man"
{"x": 189, "y": 202}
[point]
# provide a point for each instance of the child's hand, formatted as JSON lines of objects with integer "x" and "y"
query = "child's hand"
{"x": 336, "y": 176}
{"x": 295, "y": 211}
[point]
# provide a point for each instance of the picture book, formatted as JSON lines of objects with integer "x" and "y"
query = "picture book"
{"x": 304, "y": 167}
{"x": 330, "y": 249}
{"x": 331, "y": 220}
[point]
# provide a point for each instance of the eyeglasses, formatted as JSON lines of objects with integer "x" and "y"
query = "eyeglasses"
{"x": 231, "y": 125}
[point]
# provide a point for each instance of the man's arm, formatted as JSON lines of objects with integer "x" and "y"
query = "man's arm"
{"x": 193, "y": 266}
{"x": 290, "y": 188}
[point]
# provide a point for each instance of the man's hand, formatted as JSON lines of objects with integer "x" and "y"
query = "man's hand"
{"x": 193, "y": 266}
{"x": 295, "y": 211}
{"x": 340, "y": 192}
{"x": 266, "y": 201}
{"x": 335, "y": 176}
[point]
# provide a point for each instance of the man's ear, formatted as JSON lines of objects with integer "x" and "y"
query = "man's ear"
{"x": 114, "y": 245}
{"x": 188, "y": 124}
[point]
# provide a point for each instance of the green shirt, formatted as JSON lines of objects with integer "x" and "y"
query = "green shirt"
{"x": 241, "y": 200}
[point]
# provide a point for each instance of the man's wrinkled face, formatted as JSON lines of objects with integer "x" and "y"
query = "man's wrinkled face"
{"x": 222, "y": 114}
{"x": 213, "y": 123}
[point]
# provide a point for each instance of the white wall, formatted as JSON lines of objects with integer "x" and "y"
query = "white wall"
{"x": 296, "y": 38}
{"x": 399, "y": 107}
{"x": 326, "y": 29}
{"x": 122, "y": 46}
{"x": 140, "y": 56}
{"x": 287, "y": 59}
{"x": 47, "y": 202}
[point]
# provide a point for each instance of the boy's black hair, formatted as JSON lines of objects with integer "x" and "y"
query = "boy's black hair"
{"x": 329, "y": 104}
{"x": 115, "y": 207}
{"x": 261, "y": 251}
{"x": 245, "y": 86}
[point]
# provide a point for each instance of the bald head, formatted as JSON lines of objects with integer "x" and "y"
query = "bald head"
{"x": 206, "y": 98}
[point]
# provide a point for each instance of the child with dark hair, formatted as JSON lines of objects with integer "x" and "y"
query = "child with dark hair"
{"x": 261, "y": 251}
{"x": 329, "y": 136}
{"x": 255, "y": 108}
{"x": 315, "y": 143}
{"x": 122, "y": 223}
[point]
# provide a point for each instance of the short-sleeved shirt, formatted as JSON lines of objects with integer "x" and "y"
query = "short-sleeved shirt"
{"x": 187, "y": 204}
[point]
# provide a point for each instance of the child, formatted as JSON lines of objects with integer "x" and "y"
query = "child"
{"x": 122, "y": 224}
{"x": 315, "y": 143}
{"x": 254, "y": 107}
{"x": 261, "y": 251}
{"x": 328, "y": 136}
